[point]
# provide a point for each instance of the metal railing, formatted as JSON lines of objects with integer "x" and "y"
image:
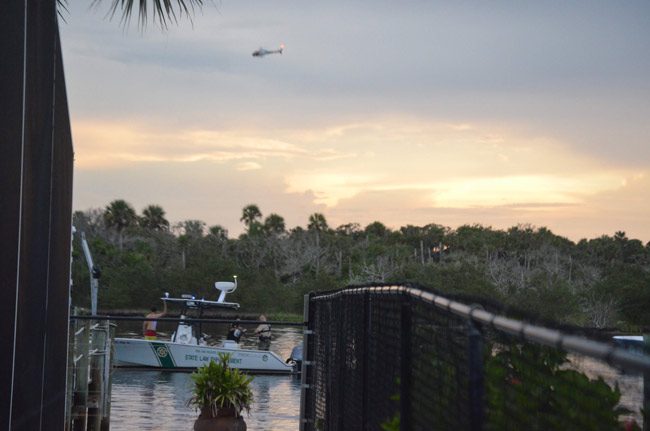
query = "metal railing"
{"x": 185, "y": 320}
{"x": 403, "y": 358}
{"x": 89, "y": 375}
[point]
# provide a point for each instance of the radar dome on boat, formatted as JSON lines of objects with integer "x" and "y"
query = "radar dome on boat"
{"x": 225, "y": 287}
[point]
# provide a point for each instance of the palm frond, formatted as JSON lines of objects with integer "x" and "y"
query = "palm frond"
{"x": 162, "y": 12}
{"x": 61, "y": 8}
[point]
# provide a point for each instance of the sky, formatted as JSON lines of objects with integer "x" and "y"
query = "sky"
{"x": 491, "y": 112}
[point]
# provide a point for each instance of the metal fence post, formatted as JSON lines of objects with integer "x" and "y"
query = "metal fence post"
{"x": 476, "y": 376}
{"x": 366, "y": 345}
{"x": 305, "y": 374}
{"x": 405, "y": 372}
{"x": 646, "y": 387}
{"x": 341, "y": 341}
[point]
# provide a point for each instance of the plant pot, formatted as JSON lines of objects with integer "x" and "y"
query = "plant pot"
{"x": 226, "y": 420}
{"x": 225, "y": 423}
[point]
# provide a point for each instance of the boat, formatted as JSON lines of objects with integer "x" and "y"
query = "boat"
{"x": 188, "y": 349}
{"x": 632, "y": 342}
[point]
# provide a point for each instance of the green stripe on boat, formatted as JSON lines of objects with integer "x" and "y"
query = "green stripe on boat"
{"x": 163, "y": 355}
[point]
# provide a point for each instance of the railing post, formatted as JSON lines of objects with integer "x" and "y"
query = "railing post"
{"x": 96, "y": 384}
{"x": 366, "y": 346}
{"x": 646, "y": 386}
{"x": 305, "y": 371}
{"x": 476, "y": 376}
{"x": 405, "y": 372}
{"x": 80, "y": 366}
{"x": 341, "y": 342}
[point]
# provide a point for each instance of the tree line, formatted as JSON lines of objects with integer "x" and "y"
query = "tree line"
{"x": 602, "y": 282}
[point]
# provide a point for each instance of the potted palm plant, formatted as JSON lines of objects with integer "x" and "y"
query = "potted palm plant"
{"x": 221, "y": 393}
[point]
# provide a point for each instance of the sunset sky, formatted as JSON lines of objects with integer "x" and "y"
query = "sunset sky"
{"x": 412, "y": 112}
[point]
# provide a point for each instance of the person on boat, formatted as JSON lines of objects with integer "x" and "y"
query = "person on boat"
{"x": 149, "y": 326}
{"x": 263, "y": 332}
{"x": 235, "y": 332}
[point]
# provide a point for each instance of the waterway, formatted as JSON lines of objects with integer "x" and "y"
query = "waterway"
{"x": 157, "y": 400}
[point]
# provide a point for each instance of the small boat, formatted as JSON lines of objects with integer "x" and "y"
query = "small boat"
{"x": 633, "y": 342}
{"x": 188, "y": 349}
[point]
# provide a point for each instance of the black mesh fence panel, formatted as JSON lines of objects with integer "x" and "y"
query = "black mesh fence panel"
{"x": 383, "y": 361}
{"x": 547, "y": 388}
{"x": 397, "y": 358}
{"x": 439, "y": 384}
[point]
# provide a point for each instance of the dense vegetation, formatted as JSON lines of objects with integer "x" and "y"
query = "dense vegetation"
{"x": 601, "y": 282}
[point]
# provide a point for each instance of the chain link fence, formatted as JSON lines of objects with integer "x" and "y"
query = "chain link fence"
{"x": 402, "y": 358}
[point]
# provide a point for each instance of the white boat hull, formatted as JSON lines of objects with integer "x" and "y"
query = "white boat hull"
{"x": 132, "y": 352}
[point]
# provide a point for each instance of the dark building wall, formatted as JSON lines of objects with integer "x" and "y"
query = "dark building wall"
{"x": 35, "y": 218}
{"x": 11, "y": 85}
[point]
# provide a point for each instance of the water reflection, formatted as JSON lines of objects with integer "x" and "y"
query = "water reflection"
{"x": 157, "y": 400}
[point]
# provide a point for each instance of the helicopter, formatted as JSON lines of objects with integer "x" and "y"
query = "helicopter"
{"x": 262, "y": 52}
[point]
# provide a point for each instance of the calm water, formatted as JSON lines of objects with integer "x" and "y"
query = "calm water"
{"x": 157, "y": 400}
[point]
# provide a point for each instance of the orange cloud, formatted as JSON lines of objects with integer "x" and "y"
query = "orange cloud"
{"x": 467, "y": 171}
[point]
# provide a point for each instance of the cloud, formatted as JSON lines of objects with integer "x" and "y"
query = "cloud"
{"x": 105, "y": 144}
{"x": 576, "y": 217}
{"x": 469, "y": 166}
{"x": 248, "y": 166}
{"x": 512, "y": 190}
{"x": 193, "y": 190}
{"x": 464, "y": 165}
{"x": 490, "y": 113}
{"x": 621, "y": 207}
{"x": 329, "y": 188}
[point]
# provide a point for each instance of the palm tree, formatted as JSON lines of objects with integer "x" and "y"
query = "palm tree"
{"x": 317, "y": 222}
{"x": 120, "y": 215}
{"x": 190, "y": 232}
{"x": 192, "y": 228}
{"x": 274, "y": 224}
{"x": 219, "y": 232}
{"x": 377, "y": 229}
{"x": 250, "y": 216}
{"x": 153, "y": 218}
